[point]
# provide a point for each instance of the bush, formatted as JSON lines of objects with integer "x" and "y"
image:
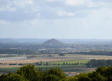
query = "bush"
{"x": 12, "y": 77}
{"x": 55, "y": 73}
{"x": 30, "y": 73}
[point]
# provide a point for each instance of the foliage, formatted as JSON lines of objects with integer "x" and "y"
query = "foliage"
{"x": 51, "y": 77}
{"x": 98, "y": 63}
{"x": 54, "y": 73}
{"x": 30, "y": 73}
{"x": 12, "y": 77}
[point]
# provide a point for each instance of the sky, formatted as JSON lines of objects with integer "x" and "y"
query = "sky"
{"x": 64, "y": 19}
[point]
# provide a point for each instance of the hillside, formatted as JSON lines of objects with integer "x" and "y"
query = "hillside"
{"x": 53, "y": 43}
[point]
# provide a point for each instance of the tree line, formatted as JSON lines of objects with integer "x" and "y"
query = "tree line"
{"x": 31, "y": 73}
{"x": 97, "y": 63}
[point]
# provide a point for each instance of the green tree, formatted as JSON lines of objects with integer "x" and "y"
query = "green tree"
{"x": 3, "y": 77}
{"x": 30, "y": 73}
{"x": 55, "y": 74}
{"x": 95, "y": 76}
{"x": 51, "y": 77}
{"x": 83, "y": 77}
{"x": 71, "y": 79}
{"x": 14, "y": 77}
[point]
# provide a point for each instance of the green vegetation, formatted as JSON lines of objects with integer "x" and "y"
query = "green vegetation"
{"x": 31, "y": 73}
{"x": 98, "y": 63}
{"x": 66, "y": 66}
{"x": 65, "y": 62}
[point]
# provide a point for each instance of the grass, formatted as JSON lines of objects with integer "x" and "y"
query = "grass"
{"x": 64, "y": 62}
{"x": 67, "y": 66}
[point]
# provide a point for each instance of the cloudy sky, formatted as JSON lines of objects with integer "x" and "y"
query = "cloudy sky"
{"x": 74, "y": 19}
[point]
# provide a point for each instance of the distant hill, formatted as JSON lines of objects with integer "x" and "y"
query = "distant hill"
{"x": 53, "y": 43}
{"x": 52, "y": 46}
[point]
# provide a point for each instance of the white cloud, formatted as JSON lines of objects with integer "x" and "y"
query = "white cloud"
{"x": 64, "y": 13}
{"x": 6, "y": 5}
{"x": 70, "y": 14}
{"x": 34, "y": 22}
{"x": 23, "y": 3}
{"x": 74, "y": 2}
{"x": 30, "y": 1}
{"x": 88, "y": 3}
{"x": 8, "y": 8}
{"x": 51, "y": 0}
{"x": 11, "y": 5}
{"x": 60, "y": 13}
{"x": 4, "y": 22}
{"x": 18, "y": 10}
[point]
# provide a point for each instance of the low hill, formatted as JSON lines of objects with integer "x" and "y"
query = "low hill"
{"x": 53, "y": 43}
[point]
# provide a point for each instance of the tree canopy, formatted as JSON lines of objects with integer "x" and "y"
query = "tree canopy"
{"x": 31, "y": 73}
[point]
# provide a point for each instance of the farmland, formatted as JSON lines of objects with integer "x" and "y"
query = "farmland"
{"x": 68, "y": 62}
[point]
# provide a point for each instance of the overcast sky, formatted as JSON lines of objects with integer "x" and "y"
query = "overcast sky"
{"x": 73, "y": 19}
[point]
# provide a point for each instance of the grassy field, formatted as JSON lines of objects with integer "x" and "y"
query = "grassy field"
{"x": 66, "y": 66}
{"x": 68, "y": 62}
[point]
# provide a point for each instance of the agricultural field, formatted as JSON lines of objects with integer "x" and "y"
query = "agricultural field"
{"x": 67, "y": 62}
